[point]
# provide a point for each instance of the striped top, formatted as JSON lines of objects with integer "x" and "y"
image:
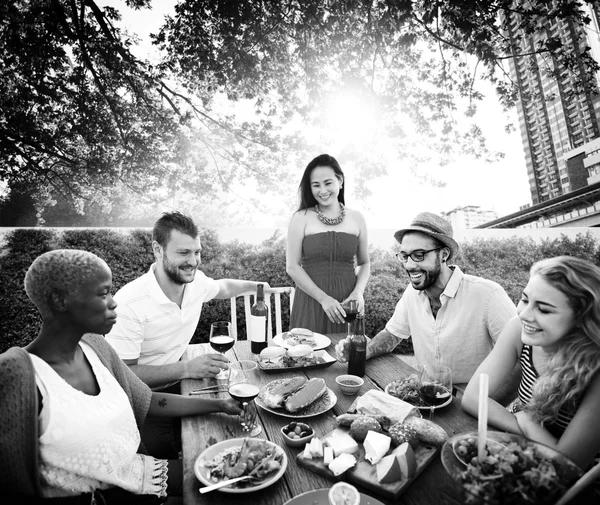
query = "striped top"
{"x": 529, "y": 377}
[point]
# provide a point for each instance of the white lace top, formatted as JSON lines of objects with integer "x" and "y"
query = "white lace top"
{"x": 90, "y": 442}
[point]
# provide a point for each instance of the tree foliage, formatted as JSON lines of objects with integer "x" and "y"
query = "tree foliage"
{"x": 84, "y": 121}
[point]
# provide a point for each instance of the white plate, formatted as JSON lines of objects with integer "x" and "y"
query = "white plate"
{"x": 323, "y": 404}
{"x": 320, "y": 497}
{"x": 321, "y": 341}
{"x": 203, "y": 473}
{"x": 427, "y": 407}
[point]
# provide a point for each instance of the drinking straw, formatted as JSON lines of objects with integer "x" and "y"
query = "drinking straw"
{"x": 483, "y": 415}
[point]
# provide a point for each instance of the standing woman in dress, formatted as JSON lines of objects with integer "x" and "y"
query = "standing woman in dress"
{"x": 327, "y": 250}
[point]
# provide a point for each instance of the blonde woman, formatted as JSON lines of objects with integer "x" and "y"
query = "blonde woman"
{"x": 556, "y": 339}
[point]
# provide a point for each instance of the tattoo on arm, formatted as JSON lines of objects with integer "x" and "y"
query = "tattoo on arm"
{"x": 162, "y": 402}
{"x": 381, "y": 344}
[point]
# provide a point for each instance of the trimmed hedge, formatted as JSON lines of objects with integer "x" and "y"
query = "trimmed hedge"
{"x": 129, "y": 254}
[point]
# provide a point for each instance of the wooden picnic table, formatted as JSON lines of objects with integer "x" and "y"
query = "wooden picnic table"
{"x": 199, "y": 432}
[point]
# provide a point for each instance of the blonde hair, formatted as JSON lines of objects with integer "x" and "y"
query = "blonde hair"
{"x": 577, "y": 359}
{"x": 61, "y": 271}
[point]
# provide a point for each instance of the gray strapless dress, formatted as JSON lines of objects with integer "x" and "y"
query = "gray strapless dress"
{"x": 328, "y": 258}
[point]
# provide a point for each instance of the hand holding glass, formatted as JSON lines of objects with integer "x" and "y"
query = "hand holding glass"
{"x": 436, "y": 385}
{"x": 243, "y": 388}
{"x": 221, "y": 341}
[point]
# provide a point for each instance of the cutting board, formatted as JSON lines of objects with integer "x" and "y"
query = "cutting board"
{"x": 365, "y": 474}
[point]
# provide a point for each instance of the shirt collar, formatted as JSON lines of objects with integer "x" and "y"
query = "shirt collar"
{"x": 453, "y": 283}
{"x": 154, "y": 288}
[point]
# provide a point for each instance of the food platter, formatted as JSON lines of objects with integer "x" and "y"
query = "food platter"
{"x": 203, "y": 473}
{"x": 426, "y": 408}
{"x": 319, "y": 497}
{"x": 322, "y": 359}
{"x": 321, "y": 341}
{"x": 320, "y": 406}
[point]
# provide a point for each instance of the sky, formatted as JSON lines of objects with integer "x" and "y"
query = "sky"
{"x": 501, "y": 186}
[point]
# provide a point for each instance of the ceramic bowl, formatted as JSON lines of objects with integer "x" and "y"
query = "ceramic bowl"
{"x": 298, "y": 440}
{"x": 349, "y": 384}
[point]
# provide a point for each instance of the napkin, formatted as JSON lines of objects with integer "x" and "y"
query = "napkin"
{"x": 375, "y": 402}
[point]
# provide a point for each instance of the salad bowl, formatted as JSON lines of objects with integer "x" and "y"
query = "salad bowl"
{"x": 515, "y": 470}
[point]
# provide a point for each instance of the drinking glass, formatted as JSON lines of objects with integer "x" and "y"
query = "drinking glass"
{"x": 351, "y": 308}
{"x": 435, "y": 386}
{"x": 243, "y": 387}
{"x": 221, "y": 341}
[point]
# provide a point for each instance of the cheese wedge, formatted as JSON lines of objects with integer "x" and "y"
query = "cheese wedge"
{"x": 407, "y": 459}
{"x": 342, "y": 463}
{"x": 327, "y": 455}
{"x": 388, "y": 469}
{"x": 342, "y": 443}
{"x": 376, "y": 446}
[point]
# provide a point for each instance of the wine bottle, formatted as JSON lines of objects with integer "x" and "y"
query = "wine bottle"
{"x": 257, "y": 325}
{"x": 358, "y": 347}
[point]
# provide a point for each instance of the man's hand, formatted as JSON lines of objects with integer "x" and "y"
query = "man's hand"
{"x": 206, "y": 366}
{"x": 231, "y": 406}
{"x": 342, "y": 350}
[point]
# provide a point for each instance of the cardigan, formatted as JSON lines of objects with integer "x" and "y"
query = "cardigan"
{"x": 19, "y": 451}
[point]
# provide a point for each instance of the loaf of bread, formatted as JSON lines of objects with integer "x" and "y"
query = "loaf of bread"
{"x": 307, "y": 394}
{"x": 275, "y": 396}
{"x": 427, "y": 431}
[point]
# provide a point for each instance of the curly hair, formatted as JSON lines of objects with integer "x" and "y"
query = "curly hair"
{"x": 577, "y": 359}
{"x": 323, "y": 160}
{"x": 161, "y": 232}
{"x": 60, "y": 271}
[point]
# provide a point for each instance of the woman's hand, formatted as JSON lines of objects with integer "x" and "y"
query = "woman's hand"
{"x": 358, "y": 298}
{"x": 534, "y": 430}
{"x": 231, "y": 406}
{"x": 334, "y": 310}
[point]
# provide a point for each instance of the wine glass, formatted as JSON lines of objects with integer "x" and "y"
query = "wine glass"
{"x": 243, "y": 388}
{"x": 221, "y": 341}
{"x": 351, "y": 309}
{"x": 435, "y": 386}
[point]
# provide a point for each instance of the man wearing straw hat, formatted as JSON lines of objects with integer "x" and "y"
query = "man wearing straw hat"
{"x": 454, "y": 318}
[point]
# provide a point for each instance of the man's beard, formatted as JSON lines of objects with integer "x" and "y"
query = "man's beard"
{"x": 175, "y": 274}
{"x": 428, "y": 279}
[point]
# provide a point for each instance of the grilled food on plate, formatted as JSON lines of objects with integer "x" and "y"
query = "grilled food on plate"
{"x": 298, "y": 336}
{"x": 293, "y": 394}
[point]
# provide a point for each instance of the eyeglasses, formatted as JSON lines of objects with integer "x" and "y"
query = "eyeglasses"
{"x": 417, "y": 256}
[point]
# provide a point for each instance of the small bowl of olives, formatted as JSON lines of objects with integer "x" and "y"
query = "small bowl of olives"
{"x": 297, "y": 434}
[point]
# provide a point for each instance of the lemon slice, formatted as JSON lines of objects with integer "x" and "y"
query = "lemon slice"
{"x": 342, "y": 493}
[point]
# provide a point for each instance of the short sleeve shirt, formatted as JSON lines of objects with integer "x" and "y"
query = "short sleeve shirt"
{"x": 152, "y": 328}
{"x": 468, "y": 323}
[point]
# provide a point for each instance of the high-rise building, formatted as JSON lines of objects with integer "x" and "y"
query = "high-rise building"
{"x": 559, "y": 121}
{"x": 469, "y": 216}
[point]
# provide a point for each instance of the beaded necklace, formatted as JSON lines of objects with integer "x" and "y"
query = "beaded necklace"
{"x": 329, "y": 221}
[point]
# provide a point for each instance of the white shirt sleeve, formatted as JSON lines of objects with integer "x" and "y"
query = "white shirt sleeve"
{"x": 500, "y": 309}
{"x": 398, "y": 325}
{"x": 127, "y": 335}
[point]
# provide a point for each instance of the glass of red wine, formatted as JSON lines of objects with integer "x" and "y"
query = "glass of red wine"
{"x": 435, "y": 386}
{"x": 243, "y": 387}
{"x": 221, "y": 341}
{"x": 351, "y": 309}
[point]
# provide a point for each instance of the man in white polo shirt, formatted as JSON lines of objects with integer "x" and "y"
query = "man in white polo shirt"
{"x": 158, "y": 314}
{"x": 454, "y": 318}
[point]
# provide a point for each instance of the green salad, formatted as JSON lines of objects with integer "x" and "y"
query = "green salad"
{"x": 513, "y": 474}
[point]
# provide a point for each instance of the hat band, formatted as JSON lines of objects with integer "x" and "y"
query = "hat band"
{"x": 429, "y": 227}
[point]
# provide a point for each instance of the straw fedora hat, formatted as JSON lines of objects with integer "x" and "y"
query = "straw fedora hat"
{"x": 434, "y": 226}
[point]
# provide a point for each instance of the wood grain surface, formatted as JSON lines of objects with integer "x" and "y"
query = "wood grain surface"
{"x": 199, "y": 432}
